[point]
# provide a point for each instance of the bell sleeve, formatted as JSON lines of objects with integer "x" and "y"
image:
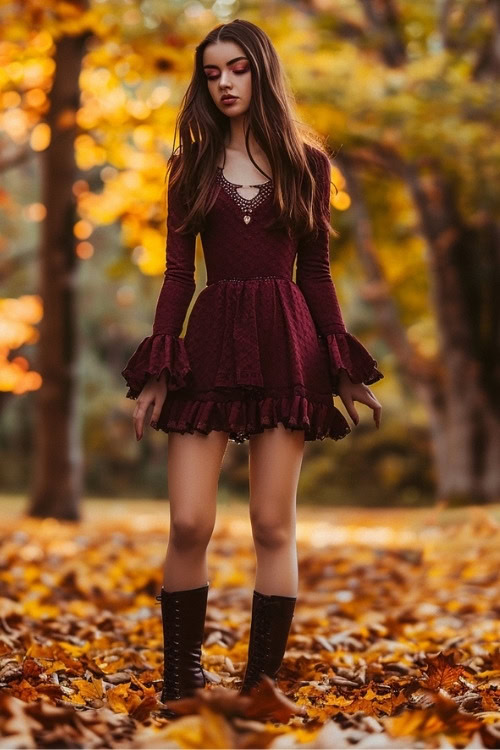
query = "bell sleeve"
{"x": 313, "y": 277}
{"x": 164, "y": 352}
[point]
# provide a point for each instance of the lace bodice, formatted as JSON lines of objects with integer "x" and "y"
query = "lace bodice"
{"x": 247, "y": 205}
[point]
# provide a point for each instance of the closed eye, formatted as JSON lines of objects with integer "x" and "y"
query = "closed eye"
{"x": 237, "y": 72}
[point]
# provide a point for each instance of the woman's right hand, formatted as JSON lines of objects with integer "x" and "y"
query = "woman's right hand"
{"x": 154, "y": 393}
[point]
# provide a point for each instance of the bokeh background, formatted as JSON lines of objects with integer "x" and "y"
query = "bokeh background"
{"x": 406, "y": 93}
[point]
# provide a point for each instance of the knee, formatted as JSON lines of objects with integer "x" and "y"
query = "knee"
{"x": 189, "y": 532}
{"x": 270, "y": 532}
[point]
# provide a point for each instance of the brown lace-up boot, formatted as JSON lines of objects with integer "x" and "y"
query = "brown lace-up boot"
{"x": 183, "y": 614}
{"x": 271, "y": 621}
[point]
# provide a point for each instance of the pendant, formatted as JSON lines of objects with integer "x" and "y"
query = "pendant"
{"x": 246, "y": 218}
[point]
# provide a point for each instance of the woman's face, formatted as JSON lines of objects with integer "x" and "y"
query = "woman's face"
{"x": 227, "y": 70}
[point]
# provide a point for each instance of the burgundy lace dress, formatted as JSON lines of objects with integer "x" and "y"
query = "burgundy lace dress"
{"x": 259, "y": 349}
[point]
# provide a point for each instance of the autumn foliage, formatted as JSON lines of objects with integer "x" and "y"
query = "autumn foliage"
{"x": 395, "y": 640}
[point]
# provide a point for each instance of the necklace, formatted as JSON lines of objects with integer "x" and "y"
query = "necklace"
{"x": 246, "y": 204}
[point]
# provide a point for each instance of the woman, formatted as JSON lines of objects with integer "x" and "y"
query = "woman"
{"x": 262, "y": 355}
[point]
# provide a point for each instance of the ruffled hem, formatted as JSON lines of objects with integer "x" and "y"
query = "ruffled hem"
{"x": 155, "y": 355}
{"x": 252, "y": 416}
{"x": 346, "y": 351}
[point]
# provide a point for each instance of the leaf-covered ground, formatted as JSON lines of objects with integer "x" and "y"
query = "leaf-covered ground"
{"x": 395, "y": 640}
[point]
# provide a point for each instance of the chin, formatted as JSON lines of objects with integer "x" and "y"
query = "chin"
{"x": 238, "y": 108}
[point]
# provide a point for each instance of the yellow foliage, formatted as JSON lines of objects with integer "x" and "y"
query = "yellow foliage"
{"x": 369, "y": 656}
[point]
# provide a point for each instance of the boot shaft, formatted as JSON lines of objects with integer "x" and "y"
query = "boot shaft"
{"x": 184, "y": 613}
{"x": 183, "y": 618}
{"x": 272, "y": 617}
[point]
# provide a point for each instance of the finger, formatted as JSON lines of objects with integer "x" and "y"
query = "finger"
{"x": 376, "y": 406}
{"x": 351, "y": 409}
{"x": 155, "y": 415}
{"x": 138, "y": 418}
{"x": 370, "y": 394}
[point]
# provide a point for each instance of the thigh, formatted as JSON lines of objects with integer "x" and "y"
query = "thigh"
{"x": 275, "y": 460}
{"x": 194, "y": 464}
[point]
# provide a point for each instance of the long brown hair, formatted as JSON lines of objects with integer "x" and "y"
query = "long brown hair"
{"x": 202, "y": 132}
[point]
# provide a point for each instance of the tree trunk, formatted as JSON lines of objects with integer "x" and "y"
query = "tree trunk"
{"x": 57, "y": 484}
{"x": 462, "y": 269}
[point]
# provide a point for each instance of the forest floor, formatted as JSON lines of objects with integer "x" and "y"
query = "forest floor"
{"x": 395, "y": 640}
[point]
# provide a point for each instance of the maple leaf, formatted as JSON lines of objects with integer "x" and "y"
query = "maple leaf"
{"x": 442, "y": 672}
{"x": 144, "y": 708}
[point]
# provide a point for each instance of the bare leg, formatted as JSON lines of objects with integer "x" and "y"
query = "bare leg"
{"x": 275, "y": 462}
{"x": 194, "y": 463}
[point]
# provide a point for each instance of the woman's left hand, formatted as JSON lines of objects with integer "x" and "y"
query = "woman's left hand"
{"x": 350, "y": 392}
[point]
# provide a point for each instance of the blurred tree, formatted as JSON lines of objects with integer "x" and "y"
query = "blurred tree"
{"x": 47, "y": 53}
{"x": 460, "y": 387}
{"x": 421, "y": 120}
{"x": 58, "y": 461}
{"x": 57, "y": 480}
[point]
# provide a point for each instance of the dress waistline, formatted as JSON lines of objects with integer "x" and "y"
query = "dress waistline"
{"x": 248, "y": 278}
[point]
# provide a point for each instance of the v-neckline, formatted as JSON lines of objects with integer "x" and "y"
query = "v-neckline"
{"x": 230, "y": 188}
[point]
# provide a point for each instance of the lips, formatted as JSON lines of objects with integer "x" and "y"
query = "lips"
{"x": 228, "y": 98}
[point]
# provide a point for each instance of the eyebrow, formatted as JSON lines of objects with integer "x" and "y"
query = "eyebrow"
{"x": 229, "y": 62}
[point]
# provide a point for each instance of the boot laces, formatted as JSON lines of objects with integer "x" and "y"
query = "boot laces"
{"x": 261, "y": 642}
{"x": 171, "y": 682}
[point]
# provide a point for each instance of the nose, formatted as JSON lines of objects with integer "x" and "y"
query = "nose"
{"x": 224, "y": 79}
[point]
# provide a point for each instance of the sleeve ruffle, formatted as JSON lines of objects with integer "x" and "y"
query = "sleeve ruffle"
{"x": 155, "y": 355}
{"x": 346, "y": 351}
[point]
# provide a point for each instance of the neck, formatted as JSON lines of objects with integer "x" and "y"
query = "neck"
{"x": 235, "y": 139}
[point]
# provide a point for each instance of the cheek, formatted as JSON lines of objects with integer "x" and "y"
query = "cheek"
{"x": 244, "y": 85}
{"x": 212, "y": 91}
